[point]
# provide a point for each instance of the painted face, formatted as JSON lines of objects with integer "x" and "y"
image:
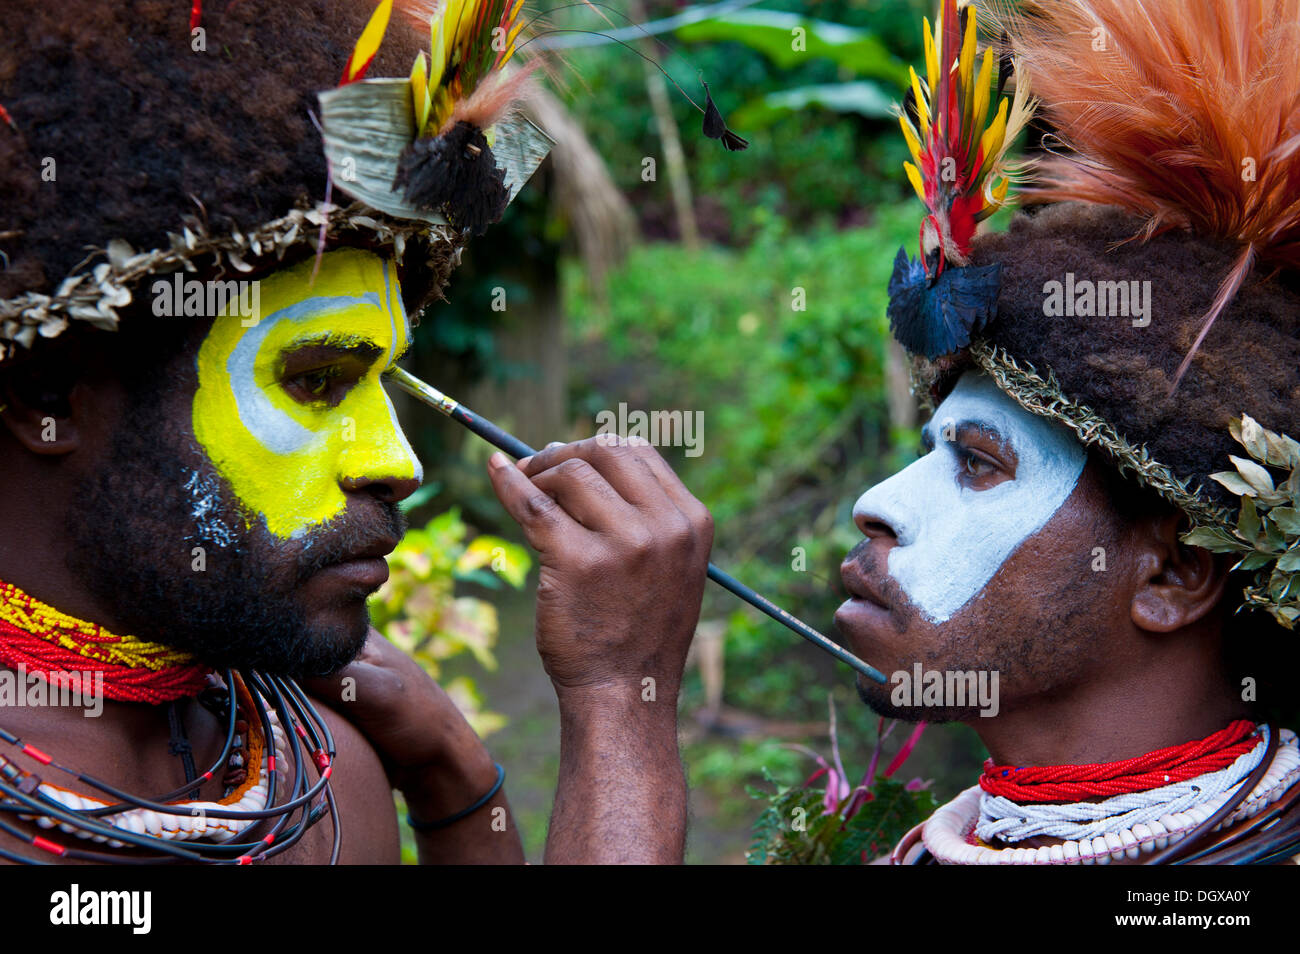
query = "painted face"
{"x": 954, "y": 523}
{"x": 290, "y": 407}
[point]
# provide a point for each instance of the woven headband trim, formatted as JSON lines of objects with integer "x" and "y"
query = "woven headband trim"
{"x": 94, "y": 296}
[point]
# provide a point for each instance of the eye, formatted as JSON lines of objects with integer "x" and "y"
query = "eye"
{"x": 318, "y": 385}
{"x": 975, "y": 465}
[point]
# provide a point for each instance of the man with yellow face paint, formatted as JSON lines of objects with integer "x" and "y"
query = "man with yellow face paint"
{"x": 193, "y": 510}
{"x": 290, "y": 403}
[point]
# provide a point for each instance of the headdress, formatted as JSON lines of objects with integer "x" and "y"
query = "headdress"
{"x": 163, "y": 150}
{"x": 1153, "y": 310}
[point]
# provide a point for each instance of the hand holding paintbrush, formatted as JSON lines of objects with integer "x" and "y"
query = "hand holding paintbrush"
{"x": 512, "y": 445}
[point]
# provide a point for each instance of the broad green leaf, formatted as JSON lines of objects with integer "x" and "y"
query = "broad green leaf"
{"x": 773, "y": 34}
{"x": 1253, "y": 474}
{"x": 1234, "y": 483}
{"x": 862, "y": 97}
{"x": 1289, "y": 561}
{"x": 1212, "y": 538}
{"x": 422, "y": 495}
{"x": 1253, "y": 561}
{"x": 1252, "y": 438}
{"x": 1287, "y": 518}
{"x": 1248, "y": 522}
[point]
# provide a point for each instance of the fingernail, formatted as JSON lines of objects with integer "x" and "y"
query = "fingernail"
{"x": 554, "y": 444}
{"x": 497, "y": 461}
{"x": 522, "y": 462}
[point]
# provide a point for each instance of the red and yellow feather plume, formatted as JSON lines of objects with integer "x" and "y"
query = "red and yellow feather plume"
{"x": 464, "y": 77}
{"x": 460, "y": 90}
{"x": 959, "y": 167}
{"x": 1186, "y": 114}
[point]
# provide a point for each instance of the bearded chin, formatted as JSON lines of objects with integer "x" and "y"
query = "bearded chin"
{"x": 159, "y": 539}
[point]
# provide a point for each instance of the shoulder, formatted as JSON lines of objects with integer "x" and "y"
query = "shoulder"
{"x": 364, "y": 799}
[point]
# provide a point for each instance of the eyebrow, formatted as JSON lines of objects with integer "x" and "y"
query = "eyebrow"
{"x": 961, "y": 428}
{"x": 339, "y": 342}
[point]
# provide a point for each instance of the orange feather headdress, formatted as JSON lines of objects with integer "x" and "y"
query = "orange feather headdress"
{"x": 1186, "y": 114}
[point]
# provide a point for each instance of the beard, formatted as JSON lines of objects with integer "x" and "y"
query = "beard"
{"x": 162, "y": 539}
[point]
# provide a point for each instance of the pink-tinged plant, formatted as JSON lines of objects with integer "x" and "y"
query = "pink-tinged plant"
{"x": 854, "y": 824}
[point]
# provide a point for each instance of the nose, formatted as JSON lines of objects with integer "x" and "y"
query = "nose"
{"x": 872, "y": 526}
{"x": 891, "y": 509}
{"x": 385, "y": 489}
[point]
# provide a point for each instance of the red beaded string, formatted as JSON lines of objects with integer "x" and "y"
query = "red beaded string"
{"x": 59, "y": 666}
{"x": 1072, "y": 783}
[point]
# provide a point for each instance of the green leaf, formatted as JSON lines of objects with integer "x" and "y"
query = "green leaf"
{"x": 1255, "y": 475}
{"x": 1248, "y": 521}
{"x": 1287, "y": 519}
{"x": 1254, "y": 561}
{"x": 772, "y": 33}
{"x": 1234, "y": 483}
{"x": 1252, "y": 437}
{"x": 1213, "y": 539}
{"x": 862, "y": 97}
{"x": 422, "y": 495}
{"x": 1274, "y": 541}
{"x": 1278, "y": 584}
{"x": 1289, "y": 561}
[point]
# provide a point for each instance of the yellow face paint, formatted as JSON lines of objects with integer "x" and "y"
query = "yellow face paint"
{"x": 292, "y": 405}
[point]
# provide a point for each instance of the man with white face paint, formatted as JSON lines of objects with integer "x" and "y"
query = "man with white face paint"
{"x": 955, "y": 530}
{"x": 1102, "y": 527}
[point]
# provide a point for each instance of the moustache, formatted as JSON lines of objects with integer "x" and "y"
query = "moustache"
{"x": 349, "y": 536}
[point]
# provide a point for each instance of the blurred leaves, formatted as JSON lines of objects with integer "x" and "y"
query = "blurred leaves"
{"x": 772, "y": 33}
{"x": 862, "y": 97}
{"x": 418, "y": 611}
{"x": 828, "y": 839}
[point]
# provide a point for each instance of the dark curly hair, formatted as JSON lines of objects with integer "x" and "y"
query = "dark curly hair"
{"x": 145, "y": 130}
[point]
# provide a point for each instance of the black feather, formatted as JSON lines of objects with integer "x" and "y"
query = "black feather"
{"x": 1005, "y": 66}
{"x": 909, "y": 108}
{"x": 457, "y": 175}
{"x": 715, "y": 127}
{"x": 934, "y": 319}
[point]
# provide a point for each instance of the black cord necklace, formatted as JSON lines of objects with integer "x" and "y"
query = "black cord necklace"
{"x": 307, "y": 802}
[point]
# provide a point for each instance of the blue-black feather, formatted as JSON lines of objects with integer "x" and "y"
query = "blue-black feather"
{"x": 938, "y": 319}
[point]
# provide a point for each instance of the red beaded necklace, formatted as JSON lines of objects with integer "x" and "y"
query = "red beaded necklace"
{"x": 69, "y": 652}
{"x": 1073, "y": 783}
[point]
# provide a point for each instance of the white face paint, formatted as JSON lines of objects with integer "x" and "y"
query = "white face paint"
{"x": 953, "y": 538}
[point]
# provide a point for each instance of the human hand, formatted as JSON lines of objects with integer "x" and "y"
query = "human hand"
{"x": 623, "y": 548}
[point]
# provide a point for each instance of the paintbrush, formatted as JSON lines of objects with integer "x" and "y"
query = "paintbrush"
{"x": 502, "y": 440}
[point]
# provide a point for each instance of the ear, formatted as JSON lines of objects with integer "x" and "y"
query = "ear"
{"x": 1179, "y": 584}
{"x": 41, "y": 418}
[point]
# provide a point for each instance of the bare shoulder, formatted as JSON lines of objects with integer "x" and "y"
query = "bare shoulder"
{"x": 364, "y": 798}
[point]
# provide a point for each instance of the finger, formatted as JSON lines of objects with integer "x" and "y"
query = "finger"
{"x": 686, "y": 502}
{"x": 541, "y": 518}
{"x": 586, "y": 496}
{"x": 618, "y": 460}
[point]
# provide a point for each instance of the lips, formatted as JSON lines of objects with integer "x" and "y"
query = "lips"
{"x": 369, "y": 573}
{"x": 365, "y": 568}
{"x": 858, "y": 586}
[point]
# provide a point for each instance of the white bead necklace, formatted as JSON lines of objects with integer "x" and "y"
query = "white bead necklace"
{"x": 194, "y": 824}
{"x": 945, "y": 833}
